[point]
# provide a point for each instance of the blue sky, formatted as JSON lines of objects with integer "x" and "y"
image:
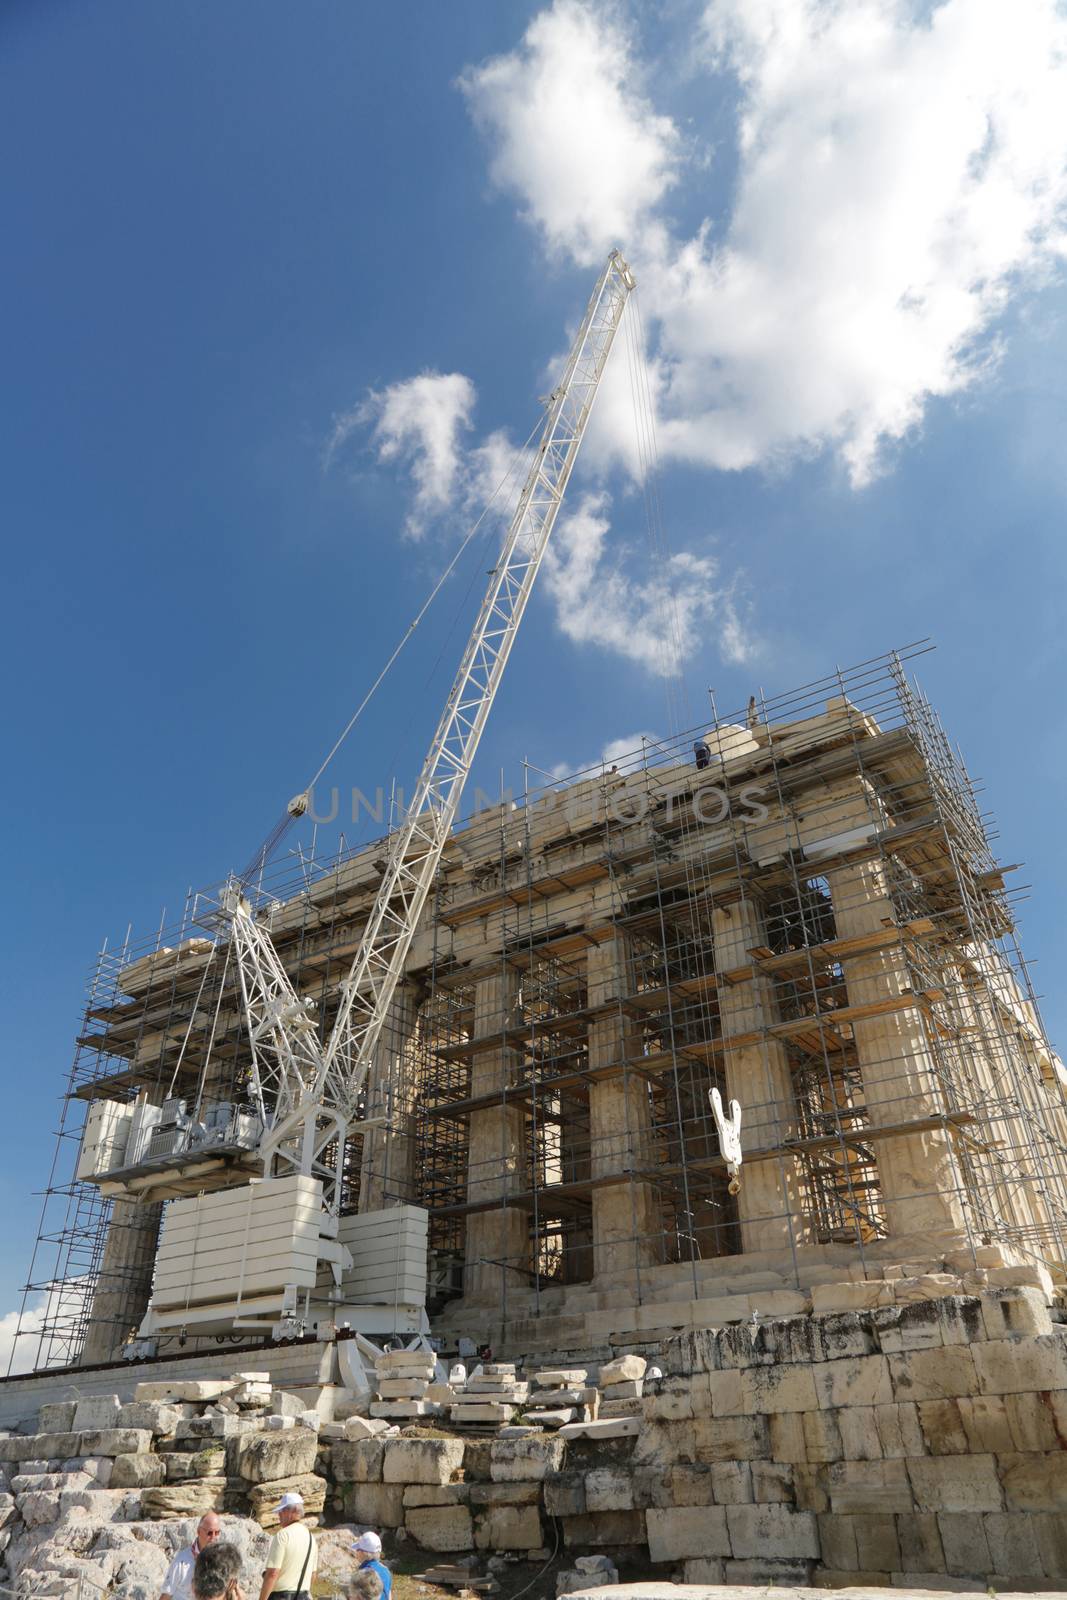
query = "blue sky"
{"x": 236, "y": 232}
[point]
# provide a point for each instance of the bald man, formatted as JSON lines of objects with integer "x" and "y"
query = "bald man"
{"x": 178, "y": 1584}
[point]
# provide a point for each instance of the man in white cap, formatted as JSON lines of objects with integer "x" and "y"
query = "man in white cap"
{"x": 293, "y": 1554}
{"x": 369, "y": 1548}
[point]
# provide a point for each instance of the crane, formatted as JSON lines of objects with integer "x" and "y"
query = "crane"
{"x": 307, "y": 1091}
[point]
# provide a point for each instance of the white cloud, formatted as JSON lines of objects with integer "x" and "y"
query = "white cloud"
{"x": 902, "y": 173}
{"x": 25, "y": 1348}
{"x": 657, "y": 623}
{"x": 419, "y": 424}
{"x": 571, "y": 131}
{"x": 627, "y": 752}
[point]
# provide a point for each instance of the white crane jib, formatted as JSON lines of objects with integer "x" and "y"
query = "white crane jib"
{"x": 308, "y": 1092}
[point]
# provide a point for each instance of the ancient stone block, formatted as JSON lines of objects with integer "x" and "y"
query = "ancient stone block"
{"x": 822, "y": 1436}
{"x": 963, "y": 1539}
{"x": 155, "y": 1415}
{"x": 610, "y": 1529}
{"x": 494, "y": 1494}
{"x": 564, "y": 1495}
{"x": 695, "y": 1350}
{"x": 267, "y": 1457}
{"x": 620, "y": 1370}
{"x": 772, "y": 1532}
{"x": 1016, "y": 1313}
{"x": 933, "y": 1374}
{"x": 920, "y": 1543}
{"x": 862, "y": 1296}
{"x": 877, "y": 1544}
{"x": 985, "y": 1422}
{"x": 787, "y": 1437}
{"x": 837, "y": 1542}
{"x": 509, "y": 1527}
{"x": 464, "y": 1412}
{"x": 899, "y": 1433}
{"x": 1031, "y": 1422}
{"x": 898, "y": 1329}
{"x": 57, "y": 1417}
{"x": 703, "y": 1571}
{"x": 365, "y": 1427}
{"x": 1034, "y": 1482}
{"x": 608, "y": 1489}
{"x": 857, "y": 1381}
{"x": 38, "y": 1506}
{"x": 961, "y": 1320}
{"x": 772, "y": 1390}
{"x": 441, "y": 1527}
{"x": 402, "y": 1388}
{"x": 184, "y": 1389}
{"x": 408, "y": 1410}
{"x": 768, "y": 1572}
{"x": 357, "y": 1460}
{"x": 681, "y": 1485}
{"x": 116, "y": 1442}
{"x": 527, "y": 1459}
{"x": 943, "y": 1428}
{"x": 561, "y": 1377}
{"x": 440, "y": 1494}
{"x": 772, "y": 1483}
{"x": 955, "y": 1483}
{"x": 1051, "y": 1534}
{"x": 1007, "y": 1366}
{"x": 1011, "y": 1540}
{"x": 846, "y": 1334}
{"x": 422, "y": 1460}
{"x": 215, "y": 1425}
{"x": 375, "y": 1505}
{"x": 96, "y": 1411}
{"x": 810, "y": 1487}
{"x": 263, "y": 1497}
{"x": 731, "y": 1439}
{"x": 184, "y": 1499}
{"x": 861, "y": 1486}
{"x": 138, "y": 1472}
{"x": 860, "y": 1439}
{"x": 731, "y": 1483}
{"x": 680, "y": 1532}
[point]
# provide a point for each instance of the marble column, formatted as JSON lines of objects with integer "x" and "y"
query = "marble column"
{"x": 387, "y": 1165}
{"x": 498, "y": 1241}
{"x": 769, "y": 1205}
{"x": 918, "y": 1172}
{"x": 626, "y": 1216}
{"x": 122, "y": 1291}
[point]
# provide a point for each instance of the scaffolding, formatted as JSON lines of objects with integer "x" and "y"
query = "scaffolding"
{"x": 796, "y": 903}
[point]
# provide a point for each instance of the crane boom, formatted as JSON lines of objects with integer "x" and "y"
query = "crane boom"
{"x": 309, "y": 1093}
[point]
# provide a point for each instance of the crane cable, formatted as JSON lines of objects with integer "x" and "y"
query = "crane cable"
{"x": 300, "y": 802}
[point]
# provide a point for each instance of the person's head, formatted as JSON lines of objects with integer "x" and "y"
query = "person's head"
{"x": 290, "y": 1508}
{"x": 216, "y": 1572}
{"x": 208, "y": 1529}
{"x": 365, "y": 1585}
{"x": 368, "y": 1547}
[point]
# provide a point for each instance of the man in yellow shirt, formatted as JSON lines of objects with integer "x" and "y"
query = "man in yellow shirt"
{"x": 293, "y": 1554}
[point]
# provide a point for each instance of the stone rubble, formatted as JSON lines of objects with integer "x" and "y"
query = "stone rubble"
{"x": 920, "y": 1442}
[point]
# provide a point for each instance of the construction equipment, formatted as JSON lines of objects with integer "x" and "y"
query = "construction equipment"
{"x": 304, "y": 1091}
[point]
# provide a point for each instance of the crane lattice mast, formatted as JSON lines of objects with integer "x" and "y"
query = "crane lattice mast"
{"x": 307, "y": 1092}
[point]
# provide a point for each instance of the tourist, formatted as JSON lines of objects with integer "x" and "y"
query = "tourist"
{"x": 292, "y": 1556}
{"x": 178, "y": 1584}
{"x": 216, "y": 1572}
{"x": 366, "y": 1585}
{"x": 369, "y": 1547}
